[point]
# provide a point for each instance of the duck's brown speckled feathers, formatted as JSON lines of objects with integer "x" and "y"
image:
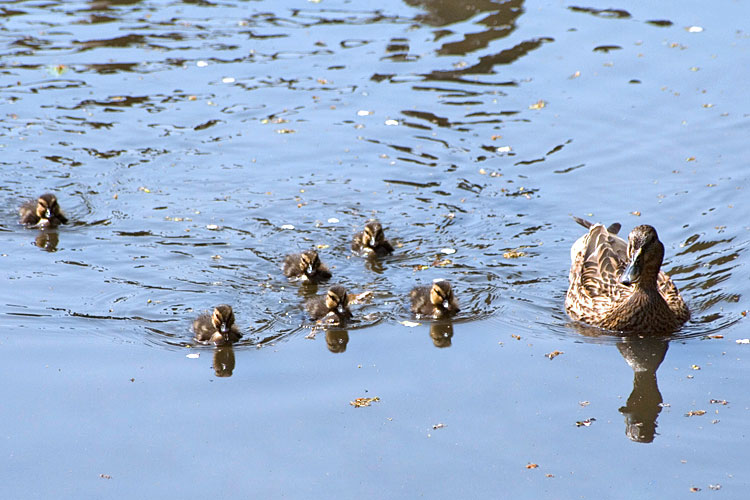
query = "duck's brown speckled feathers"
{"x": 371, "y": 241}
{"x": 43, "y": 211}
{"x": 305, "y": 266}
{"x": 333, "y": 307}
{"x": 436, "y": 300}
{"x": 217, "y": 327}
{"x": 619, "y": 286}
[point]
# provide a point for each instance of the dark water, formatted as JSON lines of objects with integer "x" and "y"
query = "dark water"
{"x": 194, "y": 144}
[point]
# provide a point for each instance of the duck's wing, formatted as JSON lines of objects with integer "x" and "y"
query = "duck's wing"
{"x": 597, "y": 260}
{"x": 672, "y": 296}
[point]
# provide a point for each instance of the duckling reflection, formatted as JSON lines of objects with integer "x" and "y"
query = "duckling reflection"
{"x": 331, "y": 308}
{"x": 337, "y": 339}
{"x": 305, "y": 266}
{"x": 216, "y": 328}
{"x": 441, "y": 334}
{"x": 436, "y": 301}
{"x": 224, "y": 360}
{"x": 644, "y": 355}
{"x": 47, "y": 240}
{"x": 42, "y": 212}
{"x": 371, "y": 242}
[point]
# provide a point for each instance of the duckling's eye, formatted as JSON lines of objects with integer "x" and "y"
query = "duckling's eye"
{"x": 333, "y": 298}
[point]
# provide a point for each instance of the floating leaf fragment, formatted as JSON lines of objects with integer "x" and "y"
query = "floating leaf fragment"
{"x": 322, "y": 247}
{"x": 503, "y": 149}
{"x": 448, "y": 251}
{"x": 442, "y": 263}
{"x": 410, "y": 324}
{"x": 538, "y": 105}
{"x": 743, "y": 341}
{"x": 285, "y": 131}
{"x": 201, "y": 64}
{"x": 636, "y": 213}
{"x": 144, "y": 189}
{"x": 228, "y": 79}
{"x": 695, "y": 367}
{"x": 553, "y": 354}
{"x": 212, "y": 227}
{"x": 532, "y": 466}
{"x": 584, "y": 403}
{"x": 363, "y": 112}
{"x": 421, "y": 267}
{"x": 391, "y": 123}
{"x": 438, "y": 426}
{"x": 715, "y": 336}
{"x": 695, "y": 413}
{"x": 360, "y": 402}
{"x": 719, "y": 402}
{"x": 694, "y": 489}
{"x": 694, "y": 29}
{"x": 514, "y": 254}
{"x": 517, "y": 337}
{"x": 287, "y": 226}
{"x": 193, "y": 355}
{"x": 585, "y": 423}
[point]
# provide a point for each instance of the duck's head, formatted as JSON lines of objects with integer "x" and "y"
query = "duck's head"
{"x": 373, "y": 234}
{"x": 309, "y": 262}
{"x": 48, "y": 210}
{"x": 223, "y": 319}
{"x": 645, "y": 255}
{"x": 336, "y": 299}
{"x": 441, "y": 294}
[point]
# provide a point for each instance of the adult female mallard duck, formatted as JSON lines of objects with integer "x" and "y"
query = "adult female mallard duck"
{"x": 332, "y": 308}
{"x": 437, "y": 300}
{"x": 371, "y": 241}
{"x": 218, "y": 327}
{"x": 618, "y": 285}
{"x": 44, "y": 212}
{"x": 305, "y": 266}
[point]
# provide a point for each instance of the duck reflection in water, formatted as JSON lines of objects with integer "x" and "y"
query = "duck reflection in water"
{"x": 441, "y": 333}
{"x": 337, "y": 339}
{"x": 644, "y": 355}
{"x": 47, "y": 240}
{"x": 224, "y": 360}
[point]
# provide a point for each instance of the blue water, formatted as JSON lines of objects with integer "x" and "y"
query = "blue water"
{"x": 193, "y": 145}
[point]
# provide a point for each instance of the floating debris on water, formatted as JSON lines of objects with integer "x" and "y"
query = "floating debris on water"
{"x": 361, "y": 402}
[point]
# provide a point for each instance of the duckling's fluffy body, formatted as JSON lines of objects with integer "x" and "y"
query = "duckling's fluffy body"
{"x": 333, "y": 307}
{"x": 618, "y": 285}
{"x": 44, "y": 212}
{"x": 217, "y": 327}
{"x": 371, "y": 241}
{"x": 436, "y": 300}
{"x": 305, "y": 266}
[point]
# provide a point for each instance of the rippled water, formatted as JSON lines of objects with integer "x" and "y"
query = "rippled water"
{"x": 194, "y": 144}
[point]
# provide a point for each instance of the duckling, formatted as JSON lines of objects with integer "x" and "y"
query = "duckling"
{"x": 305, "y": 266}
{"x": 371, "y": 241}
{"x": 437, "y": 301}
{"x": 619, "y": 286}
{"x": 217, "y": 328}
{"x": 44, "y": 212}
{"x": 333, "y": 307}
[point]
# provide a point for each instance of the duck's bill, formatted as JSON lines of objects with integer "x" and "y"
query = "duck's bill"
{"x": 631, "y": 273}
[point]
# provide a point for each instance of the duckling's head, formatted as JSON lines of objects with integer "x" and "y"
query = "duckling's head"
{"x": 645, "y": 253}
{"x": 48, "y": 210}
{"x": 310, "y": 262}
{"x": 373, "y": 234}
{"x": 441, "y": 294}
{"x": 336, "y": 299}
{"x": 223, "y": 319}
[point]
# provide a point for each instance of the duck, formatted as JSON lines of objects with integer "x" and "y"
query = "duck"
{"x": 43, "y": 212}
{"x": 371, "y": 241}
{"x": 305, "y": 266}
{"x": 619, "y": 285}
{"x": 333, "y": 307}
{"x": 436, "y": 300}
{"x": 218, "y": 327}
